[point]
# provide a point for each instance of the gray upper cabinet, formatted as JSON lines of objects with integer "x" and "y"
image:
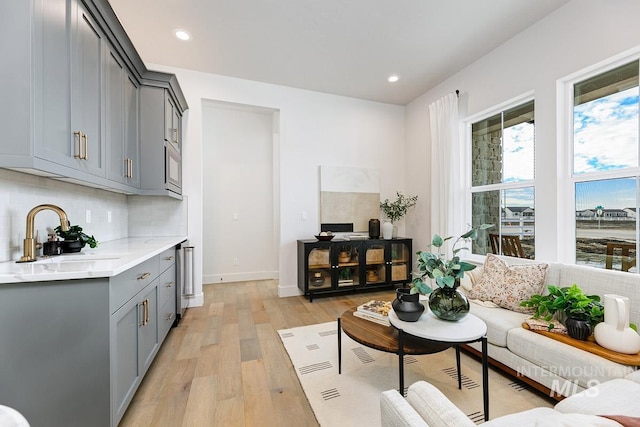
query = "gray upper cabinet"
{"x": 87, "y": 58}
{"x": 173, "y": 122}
{"x": 160, "y": 130}
{"x": 122, "y": 98}
{"x": 72, "y": 105}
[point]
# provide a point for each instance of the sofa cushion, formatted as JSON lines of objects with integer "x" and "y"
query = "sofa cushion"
{"x": 507, "y": 285}
{"x": 434, "y": 407}
{"x": 499, "y": 321}
{"x": 562, "y": 359}
{"x": 395, "y": 411}
{"x": 547, "y": 417}
{"x": 614, "y": 397}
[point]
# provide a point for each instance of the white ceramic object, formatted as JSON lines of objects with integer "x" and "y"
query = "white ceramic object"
{"x": 614, "y": 333}
{"x": 387, "y": 230}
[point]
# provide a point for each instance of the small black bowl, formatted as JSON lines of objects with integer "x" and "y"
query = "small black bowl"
{"x": 325, "y": 238}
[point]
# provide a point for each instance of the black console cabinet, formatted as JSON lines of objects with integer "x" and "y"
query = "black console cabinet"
{"x": 326, "y": 267}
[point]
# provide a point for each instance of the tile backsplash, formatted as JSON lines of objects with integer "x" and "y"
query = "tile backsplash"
{"x": 20, "y": 192}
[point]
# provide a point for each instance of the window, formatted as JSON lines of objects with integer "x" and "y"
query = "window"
{"x": 605, "y": 176}
{"x": 502, "y": 181}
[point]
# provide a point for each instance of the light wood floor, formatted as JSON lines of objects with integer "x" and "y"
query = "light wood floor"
{"x": 225, "y": 365}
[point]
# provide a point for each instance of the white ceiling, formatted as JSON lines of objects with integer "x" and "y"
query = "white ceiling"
{"x": 344, "y": 47}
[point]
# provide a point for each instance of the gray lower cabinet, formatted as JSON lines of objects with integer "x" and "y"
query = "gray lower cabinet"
{"x": 74, "y": 352}
{"x": 55, "y": 352}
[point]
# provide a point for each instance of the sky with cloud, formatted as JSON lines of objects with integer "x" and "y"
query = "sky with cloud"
{"x": 606, "y": 138}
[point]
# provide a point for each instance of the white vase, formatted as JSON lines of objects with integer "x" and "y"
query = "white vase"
{"x": 387, "y": 230}
{"x": 614, "y": 333}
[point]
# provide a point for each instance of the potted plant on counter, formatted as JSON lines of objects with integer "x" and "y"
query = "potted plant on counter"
{"x": 75, "y": 239}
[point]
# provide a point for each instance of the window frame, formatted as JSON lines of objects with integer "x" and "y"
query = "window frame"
{"x": 567, "y": 178}
{"x": 470, "y": 189}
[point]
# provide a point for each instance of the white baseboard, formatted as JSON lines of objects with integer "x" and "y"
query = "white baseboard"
{"x": 196, "y": 300}
{"x": 239, "y": 277}
{"x": 288, "y": 291}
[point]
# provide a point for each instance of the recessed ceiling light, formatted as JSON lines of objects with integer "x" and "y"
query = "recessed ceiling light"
{"x": 182, "y": 34}
{"x": 393, "y": 79}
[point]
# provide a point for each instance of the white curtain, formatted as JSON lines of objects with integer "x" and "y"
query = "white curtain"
{"x": 448, "y": 170}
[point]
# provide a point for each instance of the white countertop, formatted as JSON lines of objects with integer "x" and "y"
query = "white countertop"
{"x": 107, "y": 260}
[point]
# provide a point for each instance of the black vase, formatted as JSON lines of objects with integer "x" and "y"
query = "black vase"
{"x": 374, "y": 228}
{"x": 448, "y": 303}
{"x": 407, "y": 306}
{"x": 578, "y": 329}
{"x": 70, "y": 246}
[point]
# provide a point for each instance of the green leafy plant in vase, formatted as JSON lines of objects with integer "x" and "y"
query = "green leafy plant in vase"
{"x": 579, "y": 312}
{"x": 75, "y": 239}
{"x": 445, "y": 301}
{"x": 396, "y": 210}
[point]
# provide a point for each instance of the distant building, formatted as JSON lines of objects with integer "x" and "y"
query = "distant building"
{"x": 607, "y": 213}
{"x": 517, "y": 212}
{"x": 586, "y": 213}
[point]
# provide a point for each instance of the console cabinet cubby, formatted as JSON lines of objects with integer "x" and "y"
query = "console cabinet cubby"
{"x": 326, "y": 267}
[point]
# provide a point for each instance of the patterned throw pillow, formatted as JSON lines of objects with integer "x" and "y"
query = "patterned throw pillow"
{"x": 507, "y": 285}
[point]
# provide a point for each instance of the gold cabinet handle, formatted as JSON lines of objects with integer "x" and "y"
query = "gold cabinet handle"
{"x": 79, "y": 134}
{"x": 170, "y": 316}
{"x": 128, "y": 168}
{"x": 169, "y": 258}
{"x": 175, "y": 132}
{"x": 85, "y": 137}
{"x": 146, "y": 311}
{"x": 144, "y": 276}
{"x": 170, "y": 284}
{"x": 141, "y": 322}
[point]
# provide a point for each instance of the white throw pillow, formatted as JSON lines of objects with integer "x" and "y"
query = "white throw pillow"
{"x": 506, "y": 285}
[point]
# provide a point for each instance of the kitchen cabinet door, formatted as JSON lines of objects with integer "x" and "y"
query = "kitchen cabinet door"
{"x": 135, "y": 343}
{"x": 88, "y": 44}
{"x": 52, "y": 84}
{"x": 148, "y": 332}
{"x": 121, "y": 130}
{"x": 115, "y": 119}
{"x": 125, "y": 371}
{"x": 172, "y": 122}
{"x": 131, "y": 135}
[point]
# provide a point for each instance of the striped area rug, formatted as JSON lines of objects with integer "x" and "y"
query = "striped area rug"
{"x": 353, "y": 397}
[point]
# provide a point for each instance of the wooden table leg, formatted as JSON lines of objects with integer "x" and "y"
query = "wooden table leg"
{"x": 339, "y": 347}
{"x": 458, "y": 367}
{"x": 485, "y": 378}
{"x": 401, "y": 361}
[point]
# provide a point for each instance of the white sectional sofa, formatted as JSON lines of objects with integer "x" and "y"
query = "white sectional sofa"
{"x": 425, "y": 406}
{"x": 557, "y": 367}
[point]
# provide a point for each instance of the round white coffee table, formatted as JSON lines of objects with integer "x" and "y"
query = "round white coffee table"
{"x": 464, "y": 331}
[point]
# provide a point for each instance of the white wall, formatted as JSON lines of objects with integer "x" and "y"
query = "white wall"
{"x": 315, "y": 128}
{"x": 238, "y": 193}
{"x": 579, "y": 34}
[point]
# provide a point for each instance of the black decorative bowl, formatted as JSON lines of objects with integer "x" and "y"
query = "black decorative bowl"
{"x": 325, "y": 238}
